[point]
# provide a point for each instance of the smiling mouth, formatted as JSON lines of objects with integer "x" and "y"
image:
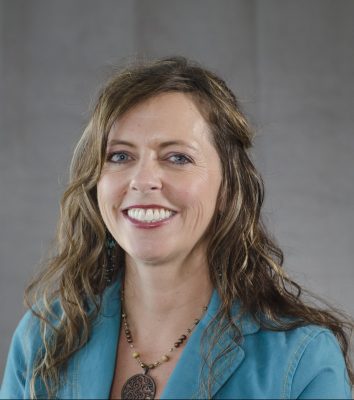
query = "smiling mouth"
{"x": 149, "y": 215}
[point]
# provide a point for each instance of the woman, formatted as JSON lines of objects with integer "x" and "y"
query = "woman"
{"x": 165, "y": 284}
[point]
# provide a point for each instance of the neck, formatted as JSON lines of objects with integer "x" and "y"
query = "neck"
{"x": 167, "y": 296}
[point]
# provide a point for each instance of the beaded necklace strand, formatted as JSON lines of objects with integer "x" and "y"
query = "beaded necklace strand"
{"x": 143, "y": 386}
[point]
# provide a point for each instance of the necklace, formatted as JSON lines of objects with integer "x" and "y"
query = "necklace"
{"x": 143, "y": 386}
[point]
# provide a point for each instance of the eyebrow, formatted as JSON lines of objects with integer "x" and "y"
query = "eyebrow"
{"x": 162, "y": 145}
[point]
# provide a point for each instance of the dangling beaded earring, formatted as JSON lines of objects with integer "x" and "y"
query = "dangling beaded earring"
{"x": 111, "y": 264}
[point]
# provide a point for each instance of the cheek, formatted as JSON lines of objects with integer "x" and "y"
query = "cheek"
{"x": 196, "y": 189}
{"x": 197, "y": 202}
{"x": 109, "y": 193}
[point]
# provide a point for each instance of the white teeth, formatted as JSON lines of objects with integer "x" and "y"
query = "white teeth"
{"x": 156, "y": 215}
{"x": 140, "y": 214}
{"x": 149, "y": 215}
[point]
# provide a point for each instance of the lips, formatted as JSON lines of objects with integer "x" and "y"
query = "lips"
{"x": 151, "y": 214}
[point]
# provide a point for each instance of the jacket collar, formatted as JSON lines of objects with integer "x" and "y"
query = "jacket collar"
{"x": 96, "y": 361}
{"x": 190, "y": 370}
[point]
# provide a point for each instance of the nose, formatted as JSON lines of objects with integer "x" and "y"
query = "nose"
{"x": 146, "y": 177}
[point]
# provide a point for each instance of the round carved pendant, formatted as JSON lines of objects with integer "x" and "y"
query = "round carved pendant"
{"x": 139, "y": 386}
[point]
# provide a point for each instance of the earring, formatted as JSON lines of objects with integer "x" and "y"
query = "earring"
{"x": 111, "y": 264}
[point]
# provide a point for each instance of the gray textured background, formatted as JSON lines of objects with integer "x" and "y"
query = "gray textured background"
{"x": 291, "y": 63}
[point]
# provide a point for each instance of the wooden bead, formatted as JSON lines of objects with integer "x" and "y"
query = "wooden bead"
{"x": 165, "y": 358}
{"x": 183, "y": 337}
{"x": 135, "y": 354}
{"x": 176, "y": 344}
{"x": 151, "y": 366}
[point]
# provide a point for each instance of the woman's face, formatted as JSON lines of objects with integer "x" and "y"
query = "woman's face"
{"x": 158, "y": 188}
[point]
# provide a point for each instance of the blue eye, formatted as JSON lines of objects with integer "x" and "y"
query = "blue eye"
{"x": 118, "y": 157}
{"x": 180, "y": 159}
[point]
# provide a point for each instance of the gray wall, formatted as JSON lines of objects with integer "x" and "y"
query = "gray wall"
{"x": 290, "y": 62}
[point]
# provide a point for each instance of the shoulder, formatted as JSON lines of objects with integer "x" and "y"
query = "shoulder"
{"x": 26, "y": 338}
{"x": 27, "y": 342}
{"x": 317, "y": 365}
{"x": 24, "y": 349}
{"x": 24, "y": 346}
{"x": 307, "y": 360}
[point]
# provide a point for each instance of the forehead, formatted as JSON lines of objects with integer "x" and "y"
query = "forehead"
{"x": 165, "y": 116}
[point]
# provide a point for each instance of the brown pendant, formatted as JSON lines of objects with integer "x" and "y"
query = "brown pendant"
{"x": 139, "y": 386}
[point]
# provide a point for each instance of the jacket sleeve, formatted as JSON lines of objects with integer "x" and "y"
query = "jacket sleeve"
{"x": 321, "y": 371}
{"x": 18, "y": 368}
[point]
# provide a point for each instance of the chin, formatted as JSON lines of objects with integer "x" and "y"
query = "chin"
{"x": 151, "y": 257}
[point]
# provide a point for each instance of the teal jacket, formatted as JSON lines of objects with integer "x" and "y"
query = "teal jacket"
{"x": 303, "y": 363}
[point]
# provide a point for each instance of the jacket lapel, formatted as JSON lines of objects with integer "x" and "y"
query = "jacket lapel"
{"x": 190, "y": 370}
{"x": 95, "y": 363}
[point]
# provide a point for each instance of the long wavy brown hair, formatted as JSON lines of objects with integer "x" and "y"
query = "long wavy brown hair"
{"x": 244, "y": 261}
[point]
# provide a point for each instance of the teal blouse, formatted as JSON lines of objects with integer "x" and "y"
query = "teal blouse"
{"x": 303, "y": 363}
